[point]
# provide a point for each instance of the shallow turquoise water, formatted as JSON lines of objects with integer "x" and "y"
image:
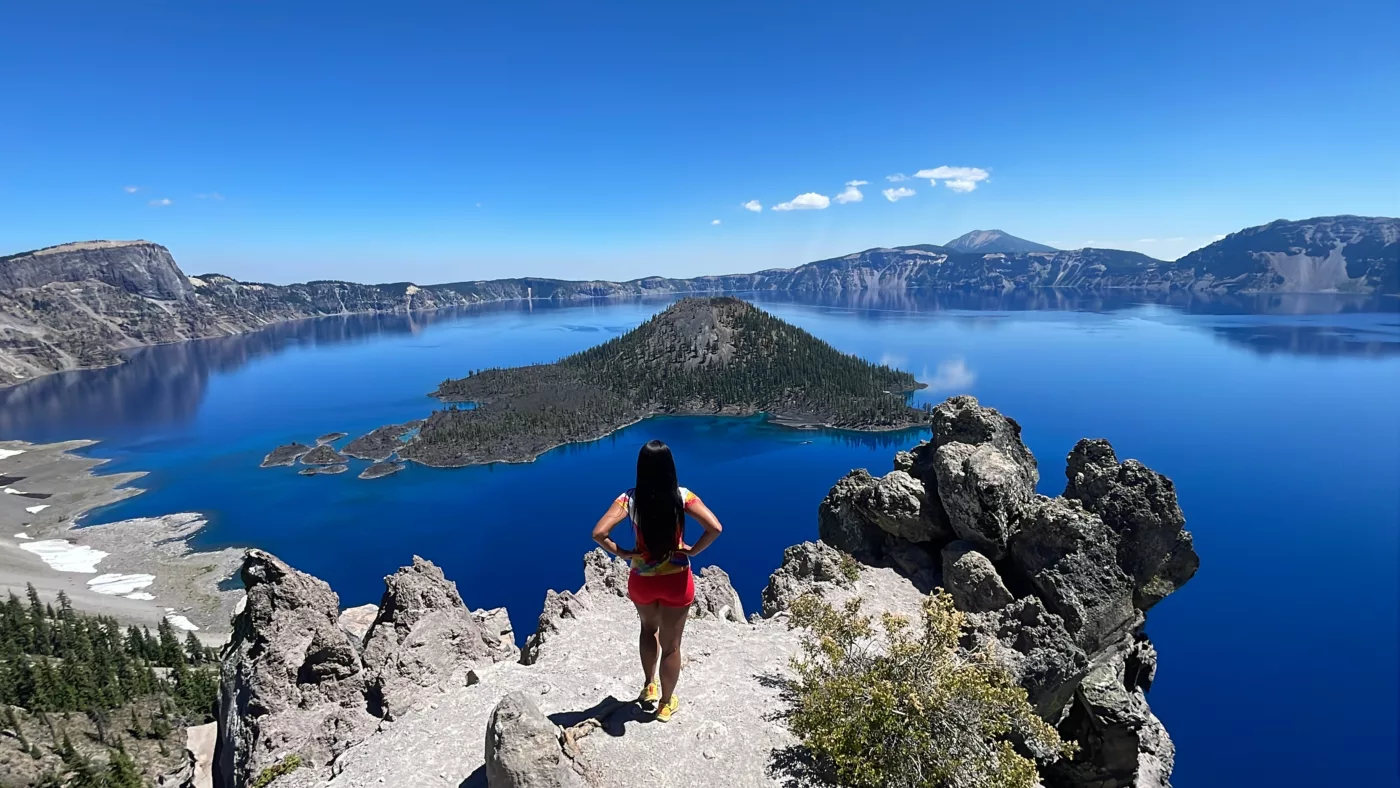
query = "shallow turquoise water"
{"x": 1277, "y": 419}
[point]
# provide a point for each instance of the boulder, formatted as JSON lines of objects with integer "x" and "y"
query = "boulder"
{"x": 524, "y": 749}
{"x": 1140, "y": 506}
{"x": 496, "y": 623}
{"x": 806, "y": 568}
{"x": 962, "y": 420}
{"x": 915, "y": 561}
{"x": 1069, "y": 556}
{"x": 1122, "y": 743}
{"x": 971, "y": 580}
{"x": 1035, "y": 648}
{"x": 715, "y": 597}
{"x": 356, "y": 621}
{"x": 984, "y": 492}
{"x": 861, "y": 509}
{"x": 290, "y": 680}
{"x": 424, "y": 637}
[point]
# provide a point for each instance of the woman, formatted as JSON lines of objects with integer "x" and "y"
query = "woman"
{"x": 661, "y": 584}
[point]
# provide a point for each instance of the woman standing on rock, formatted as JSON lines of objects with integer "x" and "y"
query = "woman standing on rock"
{"x": 661, "y": 584}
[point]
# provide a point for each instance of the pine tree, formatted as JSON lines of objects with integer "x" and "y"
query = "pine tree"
{"x": 195, "y": 652}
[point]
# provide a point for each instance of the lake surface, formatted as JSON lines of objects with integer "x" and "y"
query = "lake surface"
{"x": 1276, "y": 417}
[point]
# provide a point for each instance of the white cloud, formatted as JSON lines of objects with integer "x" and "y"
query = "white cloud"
{"x": 895, "y": 195}
{"x": 1219, "y": 237}
{"x": 161, "y": 203}
{"x": 959, "y": 179}
{"x": 951, "y": 375}
{"x": 209, "y": 196}
{"x": 752, "y": 205}
{"x": 851, "y": 194}
{"x": 714, "y": 221}
{"x": 811, "y": 201}
{"x": 857, "y": 183}
{"x": 131, "y": 189}
{"x": 897, "y": 177}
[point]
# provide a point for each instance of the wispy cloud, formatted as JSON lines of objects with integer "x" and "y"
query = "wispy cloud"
{"x": 852, "y": 193}
{"x": 131, "y": 189}
{"x": 959, "y": 179}
{"x": 951, "y": 375}
{"x": 898, "y": 177}
{"x": 1218, "y": 238}
{"x": 161, "y": 203}
{"x": 714, "y": 221}
{"x": 811, "y": 201}
{"x": 209, "y": 196}
{"x": 893, "y": 360}
{"x": 752, "y": 205}
{"x": 895, "y": 195}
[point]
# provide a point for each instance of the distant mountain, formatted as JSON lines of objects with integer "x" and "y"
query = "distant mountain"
{"x": 77, "y": 305}
{"x": 1350, "y": 254}
{"x": 699, "y": 356}
{"x": 995, "y": 242}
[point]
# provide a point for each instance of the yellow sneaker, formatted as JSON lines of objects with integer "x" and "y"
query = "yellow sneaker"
{"x": 664, "y": 713}
{"x": 651, "y": 693}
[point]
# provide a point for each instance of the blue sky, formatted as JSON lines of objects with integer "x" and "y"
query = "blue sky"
{"x": 282, "y": 141}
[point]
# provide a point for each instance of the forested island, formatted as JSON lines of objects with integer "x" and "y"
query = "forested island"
{"x": 701, "y": 356}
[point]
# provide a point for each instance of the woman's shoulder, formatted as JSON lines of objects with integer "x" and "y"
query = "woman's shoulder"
{"x": 625, "y": 498}
{"x": 688, "y": 496}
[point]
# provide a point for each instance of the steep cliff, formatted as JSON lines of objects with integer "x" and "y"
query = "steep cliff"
{"x": 431, "y": 695}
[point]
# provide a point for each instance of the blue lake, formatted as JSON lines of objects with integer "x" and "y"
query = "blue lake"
{"x": 1276, "y": 417}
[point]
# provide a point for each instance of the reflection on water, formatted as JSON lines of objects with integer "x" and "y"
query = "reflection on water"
{"x": 164, "y": 385}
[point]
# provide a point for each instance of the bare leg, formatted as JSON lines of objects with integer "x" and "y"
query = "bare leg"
{"x": 647, "y": 643}
{"x": 672, "y": 627}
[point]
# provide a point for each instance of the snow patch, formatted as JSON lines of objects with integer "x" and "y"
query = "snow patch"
{"x": 7, "y": 453}
{"x": 36, "y": 509}
{"x": 182, "y": 623}
{"x": 65, "y": 556}
{"x": 119, "y": 584}
{"x": 23, "y": 535}
{"x": 141, "y": 596}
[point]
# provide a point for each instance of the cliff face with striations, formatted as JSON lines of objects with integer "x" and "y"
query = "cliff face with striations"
{"x": 423, "y": 692}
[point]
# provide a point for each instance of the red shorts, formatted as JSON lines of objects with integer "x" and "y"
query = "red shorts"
{"x": 674, "y": 590}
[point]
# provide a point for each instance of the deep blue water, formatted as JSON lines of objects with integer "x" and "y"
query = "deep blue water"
{"x": 1276, "y": 417}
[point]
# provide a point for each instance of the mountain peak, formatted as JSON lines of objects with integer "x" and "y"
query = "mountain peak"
{"x": 995, "y": 242}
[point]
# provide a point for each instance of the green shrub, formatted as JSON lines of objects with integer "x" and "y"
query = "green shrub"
{"x": 287, "y": 765}
{"x": 893, "y": 706}
{"x": 850, "y": 568}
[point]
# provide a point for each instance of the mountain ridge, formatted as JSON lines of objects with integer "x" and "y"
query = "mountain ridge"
{"x": 995, "y": 241}
{"x": 77, "y": 305}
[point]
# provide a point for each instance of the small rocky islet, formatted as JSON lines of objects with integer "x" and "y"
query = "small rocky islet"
{"x": 324, "y": 470}
{"x": 323, "y": 455}
{"x": 1060, "y": 585}
{"x": 286, "y": 454}
{"x": 330, "y": 437}
{"x": 381, "y": 469}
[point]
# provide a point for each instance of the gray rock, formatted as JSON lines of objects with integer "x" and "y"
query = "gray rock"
{"x": 916, "y": 561}
{"x": 524, "y": 749}
{"x": 558, "y": 605}
{"x": 962, "y": 420}
{"x": 984, "y": 492}
{"x": 330, "y": 437}
{"x": 971, "y": 580}
{"x": 1036, "y": 650}
{"x": 715, "y": 597}
{"x": 1140, "y": 506}
{"x": 324, "y": 470}
{"x": 381, "y": 469}
{"x": 861, "y": 509}
{"x": 841, "y": 524}
{"x": 1122, "y": 743}
{"x": 285, "y": 454}
{"x": 806, "y": 568}
{"x": 137, "y": 267}
{"x": 1069, "y": 556}
{"x": 424, "y": 637}
{"x": 356, "y": 621}
{"x": 604, "y": 573}
{"x": 496, "y": 622}
{"x": 290, "y": 681}
{"x": 325, "y": 454}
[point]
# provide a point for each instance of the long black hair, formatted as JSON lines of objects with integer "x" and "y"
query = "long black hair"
{"x": 658, "y": 500}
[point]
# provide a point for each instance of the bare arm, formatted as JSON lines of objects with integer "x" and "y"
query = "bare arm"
{"x": 614, "y": 515}
{"x": 708, "y": 521}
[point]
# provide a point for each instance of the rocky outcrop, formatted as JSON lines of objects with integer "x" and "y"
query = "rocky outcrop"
{"x": 715, "y": 596}
{"x": 423, "y": 637}
{"x": 1061, "y": 584}
{"x": 1140, "y": 505}
{"x": 810, "y": 567}
{"x": 524, "y": 749}
{"x": 286, "y": 454}
{"x": 291, "y": 682}
{"x": 323, "y": 454}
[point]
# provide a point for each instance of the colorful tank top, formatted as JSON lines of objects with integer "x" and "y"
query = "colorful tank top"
{"x": 667, "y": 564}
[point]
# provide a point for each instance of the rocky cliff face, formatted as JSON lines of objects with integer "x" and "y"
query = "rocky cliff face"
{"x": 1357, "y": 254}
{"x": 421, "y": 692}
